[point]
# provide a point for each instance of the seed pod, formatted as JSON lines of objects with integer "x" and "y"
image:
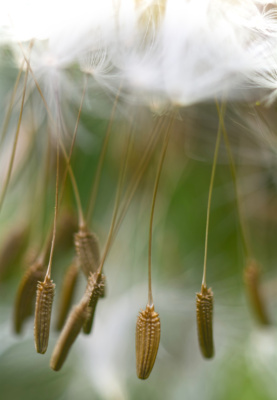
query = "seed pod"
{"x": 44, "y": 300}
{"x": 252, "y": 274}
{"x": 67, "y": 292}
{"x": 11, "y": 251}
{"x": 71, "y": 330}
{"x": 26, "y": 294}
{"x": 148, "y": 331}
{"x": 87, "y": 249}
{"x": 67, "y": 224}
{"x": 204, "y": 311}
{"x": 95, "y": 290}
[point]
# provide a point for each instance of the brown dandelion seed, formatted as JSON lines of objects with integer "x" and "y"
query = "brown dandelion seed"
{"x": 26, "y": 294}
{"x": 204, "y": 311}
{"x": 87, "y": 249}
{"x": 67, "y": 293}
{"x": 44, "y": 300}
{"x": 71, "y": 330}
{"x": 148, "y": 332}
{"x": 11, "y": 251}
{"x": 95, "y": 290}
{"x": 252, "y": 275}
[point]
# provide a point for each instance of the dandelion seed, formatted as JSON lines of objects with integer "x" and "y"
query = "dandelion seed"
{"x": 148, "y": 330}
{"x": 95, "y": 290}
{"x": 204, "y": 311}
{"x": 26, "y": 294}
{"x": 252, "y": 275}
{"x": 204, "y": 299}
{"x": 45, "y": 296}
{"x": 67, "y": 293}
{"x": 71, "y": 330}
{"x": 12, "y": 249}
{"x": 148, "y": 327}
{"x": 87, "y": 249}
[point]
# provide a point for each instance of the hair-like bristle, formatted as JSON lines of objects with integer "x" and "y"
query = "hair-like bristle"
{"x": 67, "y": 293}
{"x": 148, "y": 330}
{"x": 44, "y": 300}
{"x": 204, "y": 311}
{"x": 26, "y": 294}
{"x": 151, "y": 15}
{"x": 95, "y": 290}
{"x": 87, "y": 249}
{"x": 71, "y": 330}
{"x": 252, "y": 274}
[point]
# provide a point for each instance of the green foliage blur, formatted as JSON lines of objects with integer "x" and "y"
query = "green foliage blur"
{"x": 102, "y": 366}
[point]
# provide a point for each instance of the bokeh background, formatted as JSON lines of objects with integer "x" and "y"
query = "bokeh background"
{"x": 102, "y": 365}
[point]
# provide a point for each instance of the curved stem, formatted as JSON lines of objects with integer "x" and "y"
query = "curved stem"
{"x": 73, "y": 139}
{"x": 165, "y": 145}
{"x": 101, "y": 160}
{"x": 9, "y": 112}
{"x": 117, "y": 198}
{"x": 72, "y": 177}
{"x": 7, "y": 179}
{"x": 210, "y": 196}
{"x": 81, "y": 218}
{"x": 138, "y": 174}
{"x": 245, "y": 242}
{"x": 48, "y": 272}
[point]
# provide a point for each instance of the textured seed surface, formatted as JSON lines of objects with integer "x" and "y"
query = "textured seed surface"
{"x": 26, "y": 294}
{"x": 71, "y": 330}
{"x": 44, "y": 300}
{"x": 148, "y": 332}
{"x": 67, "y": 293}
{"x": 252, "y": 275}
{"x": 87, "y": 249}
{"x": 204, "y": 311}
{"x": 95, "y": 290}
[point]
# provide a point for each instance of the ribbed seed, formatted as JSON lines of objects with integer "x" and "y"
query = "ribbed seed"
{"x": 87, "y": 249}
{"x": 26, "y": 294}
{"x": 67, "y": 293}
{"x": 44, "y": 300}
{"x": 148, "y": 331}
{"x": 204, "y": 311}
{"x": 71, "y": 330}
{"x": 252, "y": 274}
{"x": 95, "y": 290}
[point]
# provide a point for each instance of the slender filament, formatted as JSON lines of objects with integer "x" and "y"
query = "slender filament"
{"x": 218, "y": 137}
{"x": 245, "y": 242}
{"x": 165, "y": 145}
{"x": 48, "y": 272}
{"x": 7, "y": 179}
{"x": 116, "y": 206}
{"x": 101, "y": 160}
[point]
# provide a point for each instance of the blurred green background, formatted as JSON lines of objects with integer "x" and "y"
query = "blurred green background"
{"x": 102, "y": 366}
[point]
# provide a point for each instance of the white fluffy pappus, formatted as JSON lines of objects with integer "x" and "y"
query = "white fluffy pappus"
{"x": 191, "y": 52}
{"x": 200, "y": 50}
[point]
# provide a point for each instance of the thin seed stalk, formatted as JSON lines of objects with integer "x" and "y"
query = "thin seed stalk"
{"x": 218, "y": 138}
